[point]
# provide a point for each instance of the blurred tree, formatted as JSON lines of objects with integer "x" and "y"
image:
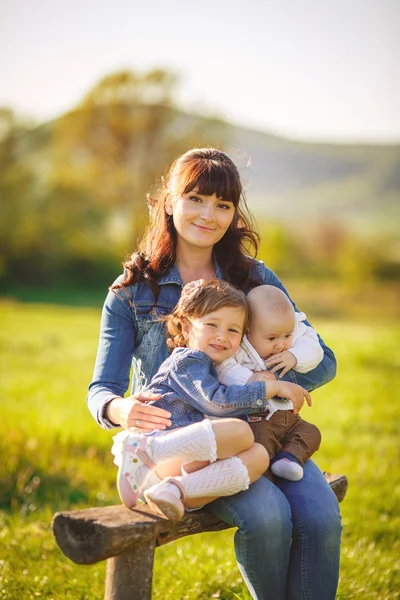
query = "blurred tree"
{"x": 73, "y": 191}
{"x": 278, "y": 247}
{"x": 17, "y": 186}
{"x": 115, "y": 142}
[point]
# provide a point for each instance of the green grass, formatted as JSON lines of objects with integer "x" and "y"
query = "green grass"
{"x": 54, "y": 457}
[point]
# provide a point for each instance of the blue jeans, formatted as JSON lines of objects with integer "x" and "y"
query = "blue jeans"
{"x": 288, "y": 540}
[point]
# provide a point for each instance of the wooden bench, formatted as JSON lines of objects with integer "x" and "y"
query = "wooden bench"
{"x": 127, "y": 540}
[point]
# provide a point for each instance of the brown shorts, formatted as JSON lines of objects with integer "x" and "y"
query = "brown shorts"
{"x": 287, "y": 432}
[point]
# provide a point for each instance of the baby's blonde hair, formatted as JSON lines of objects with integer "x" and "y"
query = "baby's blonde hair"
{"x": 199, "y": 298}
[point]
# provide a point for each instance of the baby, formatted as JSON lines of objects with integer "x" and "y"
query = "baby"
{"x": 278, "y": 340}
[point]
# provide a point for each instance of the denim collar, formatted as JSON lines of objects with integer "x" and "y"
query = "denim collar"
{"x": 173, "y": 274}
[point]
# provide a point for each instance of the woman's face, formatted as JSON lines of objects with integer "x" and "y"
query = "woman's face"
{"x": 200, "y": 221}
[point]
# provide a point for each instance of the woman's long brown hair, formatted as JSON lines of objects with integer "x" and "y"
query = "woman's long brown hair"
{"x": 210, "y": 171}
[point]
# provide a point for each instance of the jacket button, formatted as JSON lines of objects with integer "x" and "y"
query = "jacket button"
{"x": 259, "y": 402}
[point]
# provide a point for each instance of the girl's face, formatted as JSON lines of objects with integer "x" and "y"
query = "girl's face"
{"x": 218, "y": 334}
{"x": 200, "y": 221}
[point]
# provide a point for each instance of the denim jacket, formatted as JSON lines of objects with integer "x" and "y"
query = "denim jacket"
{"x": 188, "y": 382}
{"x": 132, "y": 336}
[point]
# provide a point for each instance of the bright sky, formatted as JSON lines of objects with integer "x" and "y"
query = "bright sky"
{"x": 311, "y": 69}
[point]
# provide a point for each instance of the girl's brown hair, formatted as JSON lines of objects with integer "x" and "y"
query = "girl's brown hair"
{"x": 200, "y": 298}
{"x": 210, "y": 171}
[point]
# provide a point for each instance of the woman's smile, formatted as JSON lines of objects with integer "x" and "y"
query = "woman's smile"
{"x": 203, "y": 227}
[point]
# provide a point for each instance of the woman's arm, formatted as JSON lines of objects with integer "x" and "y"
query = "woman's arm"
{"x": 323, "y": 373}
{"x": 326, "y": 370}
{"x": 306, "y": 347}
{"x": 111, "y": 375}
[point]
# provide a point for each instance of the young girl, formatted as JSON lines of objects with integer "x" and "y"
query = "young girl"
{"x": 199, "y": 460}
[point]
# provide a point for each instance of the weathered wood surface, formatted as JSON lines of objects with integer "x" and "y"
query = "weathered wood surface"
{"x": 95, "y": 534}
{"x": 338, "y": 483}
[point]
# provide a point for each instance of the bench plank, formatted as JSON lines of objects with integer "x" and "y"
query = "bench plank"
{"x": 127, "y": 539}
{"x": 95, "y": 534}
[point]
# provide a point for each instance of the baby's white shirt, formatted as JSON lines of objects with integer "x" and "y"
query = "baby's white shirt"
{"x": 239, "y": 368}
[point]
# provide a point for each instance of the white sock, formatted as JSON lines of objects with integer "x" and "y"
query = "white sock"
{"x": 194, "y": 442}
{"x": 287, "y": 469}
{"x": 221, "y": 478}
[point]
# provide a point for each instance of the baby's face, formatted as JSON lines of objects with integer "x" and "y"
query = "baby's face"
{"x": 271, "y": 334}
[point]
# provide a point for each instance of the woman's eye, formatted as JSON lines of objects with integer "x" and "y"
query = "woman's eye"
{"x": 224, "y": 206}
{"x": 211, "y": 324}
{"x": 195, "y": 198}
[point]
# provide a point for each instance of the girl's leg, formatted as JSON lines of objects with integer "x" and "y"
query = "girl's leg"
{"x": 202, "y": 485}
{"x": 204, "y": 441}
{"x": 315, "y": 552}
{"x": 262, "y": 541}
{"x": 140, "y": 457}
{"x": 221, "y": 478}
{"x": 226, "y": 482}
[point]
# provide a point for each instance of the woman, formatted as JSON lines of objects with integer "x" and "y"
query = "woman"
{"x": 288, "y": 539}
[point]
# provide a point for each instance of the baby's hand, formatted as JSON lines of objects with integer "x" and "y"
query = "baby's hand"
{"x": 262, "y": 376}
{"x": 292, "y": 391}
{"x": 283, "y": 360}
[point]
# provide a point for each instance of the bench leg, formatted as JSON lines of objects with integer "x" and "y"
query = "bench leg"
{"x": 129, "y": 576}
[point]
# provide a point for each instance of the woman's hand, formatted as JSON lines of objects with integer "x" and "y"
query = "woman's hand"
{"x": 283, "y": 360}
{"x": 292, "y": 391}
{"x": 133, "y": 413}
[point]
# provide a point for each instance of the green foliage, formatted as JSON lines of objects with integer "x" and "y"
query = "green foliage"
{"x": 327, "y": 250}
{"x": 73, "y": 192}
{"x": 55, "y": 457}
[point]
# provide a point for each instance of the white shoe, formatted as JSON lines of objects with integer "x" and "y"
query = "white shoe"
{"x": 166, "y": 499}
{"x": 131, "y": 452}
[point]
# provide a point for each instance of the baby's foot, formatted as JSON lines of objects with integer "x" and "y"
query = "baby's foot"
{"x": 136, "y": 467}
{"x": 166, "y": 499}
{"x": 287, "y": 469}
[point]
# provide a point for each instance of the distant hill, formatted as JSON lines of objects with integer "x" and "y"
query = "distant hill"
{"x": 290, "y": 180}
{"x": 296, "y": 180}
{"x": 287, "y": 180}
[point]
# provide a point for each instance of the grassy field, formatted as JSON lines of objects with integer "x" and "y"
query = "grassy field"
{"x": 54, "y": 457}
